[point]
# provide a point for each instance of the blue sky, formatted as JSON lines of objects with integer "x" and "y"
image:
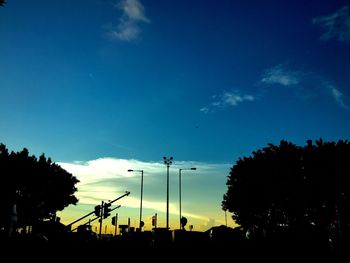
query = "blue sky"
{"x": 206, "y": 82}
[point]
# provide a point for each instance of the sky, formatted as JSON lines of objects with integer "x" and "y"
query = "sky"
{"x": 103, "y": 86}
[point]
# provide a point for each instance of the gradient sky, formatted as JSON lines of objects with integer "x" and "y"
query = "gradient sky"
{"x": 103, "y": 86}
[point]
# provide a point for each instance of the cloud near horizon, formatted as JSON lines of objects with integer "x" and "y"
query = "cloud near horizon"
{"x": 227, "y": 99}
{"x": 336, "y": 25}
{"x": 108, "y": 178}
{"x": 133, "y": 13}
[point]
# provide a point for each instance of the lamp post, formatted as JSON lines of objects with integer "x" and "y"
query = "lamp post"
{"x": 192, "y": 168}
{"x": 167, "y": 162}
{"x": 130, "y": 170}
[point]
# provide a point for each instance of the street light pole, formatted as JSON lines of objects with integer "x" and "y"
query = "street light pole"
{"x": 167, "y": 162}
{"x": 130, "y": 170}
{"x": 141, "y": 224}
{"x": 192, "y": 168}
{"x": 180, "y": 193}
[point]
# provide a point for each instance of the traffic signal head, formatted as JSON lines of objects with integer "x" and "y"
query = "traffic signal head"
{"x": 113, "y": 220}
{"x": 98, "y": 210}
{"x": 106, "y": 210}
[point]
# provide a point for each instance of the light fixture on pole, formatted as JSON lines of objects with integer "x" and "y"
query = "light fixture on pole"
{"x": 192, "y": 168}
{"x": 131, "y": 170}
{"x": 167, "y": 162}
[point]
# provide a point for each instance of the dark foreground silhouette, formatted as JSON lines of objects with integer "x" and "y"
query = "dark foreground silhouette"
{"x": 161, "y": 245}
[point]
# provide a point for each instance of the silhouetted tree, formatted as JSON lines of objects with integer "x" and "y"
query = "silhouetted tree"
{"x": 292, "y": 186}
{"x": 37, "y": 187}
{"x": 2, "y": 2}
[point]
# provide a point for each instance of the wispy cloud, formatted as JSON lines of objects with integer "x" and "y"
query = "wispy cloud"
{"x": 204, "y": 110}
{"x": 338, "y": 96}
{"x": 233, "y": 99}
{"x": 227, "y": 99}
{"x": 281, "y": 75}
{"x": 306, "y": 85}
{"x": 133, "y": 13}
{"x": 336, "y": 25}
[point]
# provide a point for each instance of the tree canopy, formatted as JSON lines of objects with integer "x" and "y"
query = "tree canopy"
{"x": 37, "y": 186}
{"x": 291, "y": 185}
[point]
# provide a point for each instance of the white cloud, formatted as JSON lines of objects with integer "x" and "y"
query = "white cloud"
{"x": 104, "y": 167}
{"x": 281, "y": 75}
{"x": 134, "y": 10}
{"x": 108, "y": 178}
{"x": 336, "y": 25}
{"x": 128, "y": 28}
{"x": 126, "y": 31}
{"x": 307, "y": 85}
{"x": 338, "y": 96}
{"x": 227, "y": 99}
{"x": 204, "y": 109}
{"x": 233, "y": 99}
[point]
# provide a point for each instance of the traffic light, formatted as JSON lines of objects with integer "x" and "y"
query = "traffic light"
{"x": 106, "y": 210}
{"x": 113, "y": 220}
{"x": 98, "y": 210}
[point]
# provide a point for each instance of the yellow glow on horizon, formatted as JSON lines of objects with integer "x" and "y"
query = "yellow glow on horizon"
{"x": 107, "y": 178}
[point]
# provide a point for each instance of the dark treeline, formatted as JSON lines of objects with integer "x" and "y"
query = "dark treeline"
{"x": 32, "y": 190}
{"x": 293, "y": 196}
